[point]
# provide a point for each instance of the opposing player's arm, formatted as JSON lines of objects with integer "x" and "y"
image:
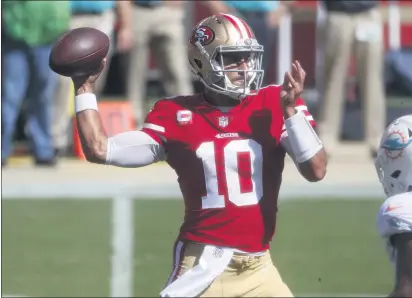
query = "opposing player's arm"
{"x": 128, "y": 149}
{"x": 403, "y": 246}
{"x": 302, "y": 143}
{"x": 394, "y": 223}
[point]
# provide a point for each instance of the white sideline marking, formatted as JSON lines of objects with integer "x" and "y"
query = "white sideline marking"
{"x": 169, "y": 190}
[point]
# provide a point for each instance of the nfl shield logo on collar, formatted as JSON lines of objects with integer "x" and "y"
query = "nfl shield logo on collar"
{"x": 223, "y": 121}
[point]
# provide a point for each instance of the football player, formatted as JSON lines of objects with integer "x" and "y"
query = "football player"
{"x": 227, "y": 146}
{"x": 394, "y": 220}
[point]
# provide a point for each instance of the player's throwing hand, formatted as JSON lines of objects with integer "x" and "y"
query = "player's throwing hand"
{"x": 87, "y": 82}
{"x": 292, "y": 88}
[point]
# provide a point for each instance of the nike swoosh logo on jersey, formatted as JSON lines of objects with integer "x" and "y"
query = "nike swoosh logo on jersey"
{"x": 391, "y": 207}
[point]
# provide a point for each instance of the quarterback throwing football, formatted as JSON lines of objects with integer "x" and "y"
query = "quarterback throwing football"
{"x": 394, "y": 167}
{"x": 227, "y": 146}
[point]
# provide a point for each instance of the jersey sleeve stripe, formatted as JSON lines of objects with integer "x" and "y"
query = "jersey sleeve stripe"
{"x": 304, "y": 109}
{"x": 154, "y": 127}
{"x": 155, "y": 136}
{"x": 301, "y": 108}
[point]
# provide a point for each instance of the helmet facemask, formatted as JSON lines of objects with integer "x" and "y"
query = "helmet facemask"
{"x": 227, "y": 59}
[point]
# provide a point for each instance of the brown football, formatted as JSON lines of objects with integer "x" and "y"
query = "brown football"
{"x": 79, "y": 52}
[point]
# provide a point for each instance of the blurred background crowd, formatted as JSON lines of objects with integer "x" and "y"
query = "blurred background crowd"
{"x": 356, "y": 55}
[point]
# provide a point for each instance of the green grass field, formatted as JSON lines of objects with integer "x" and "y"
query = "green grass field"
{"x": 62, "y": 247}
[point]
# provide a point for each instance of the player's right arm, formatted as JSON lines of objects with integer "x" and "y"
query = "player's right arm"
{"x": 128, "y": 149}
{"x": 403, "y": 246}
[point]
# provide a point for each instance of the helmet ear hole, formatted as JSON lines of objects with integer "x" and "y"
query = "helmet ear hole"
{"x": 396, "y": 174}
{"x": 198, "y": 63}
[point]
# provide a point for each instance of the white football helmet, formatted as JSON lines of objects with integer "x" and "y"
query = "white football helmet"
{"x": 394, "y": 159}
{"x": 213, "y": 43}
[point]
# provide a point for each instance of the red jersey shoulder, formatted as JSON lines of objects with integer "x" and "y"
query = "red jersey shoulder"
{"x": 165, "y": 105}
{"x": 270, "y": 91}
{"x": 266, "y": 99}
{"x": 270, "y": 97}
{"x": 167, "y": 112}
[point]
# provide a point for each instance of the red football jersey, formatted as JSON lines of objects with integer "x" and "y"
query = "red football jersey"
{"x": 229, "y": 165}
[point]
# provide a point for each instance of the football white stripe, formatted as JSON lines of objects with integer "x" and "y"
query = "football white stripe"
{"x": 154, "y": 127}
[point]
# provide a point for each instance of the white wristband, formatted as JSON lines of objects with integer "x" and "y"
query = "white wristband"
{"x": 303, "y": 139}
{"x": 85, "y": 101}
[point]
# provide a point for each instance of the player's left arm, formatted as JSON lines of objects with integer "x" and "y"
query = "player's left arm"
{"x": 403, "y": 246}
{"x": 302, "y": 144}
{"x": 298, "y": 136}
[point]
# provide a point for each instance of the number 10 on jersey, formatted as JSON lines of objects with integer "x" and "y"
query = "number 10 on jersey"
{"x": 206, "y": 152}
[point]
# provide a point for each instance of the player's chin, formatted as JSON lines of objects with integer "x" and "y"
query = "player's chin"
{"x": 239, "y": 83}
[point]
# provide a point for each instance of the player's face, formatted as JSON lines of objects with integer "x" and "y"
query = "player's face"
{"x": 238, "y": 61}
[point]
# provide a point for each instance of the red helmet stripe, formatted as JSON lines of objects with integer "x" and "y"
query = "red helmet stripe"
{"x": 234, "y": 23}
{"x": 249, "y": 33}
